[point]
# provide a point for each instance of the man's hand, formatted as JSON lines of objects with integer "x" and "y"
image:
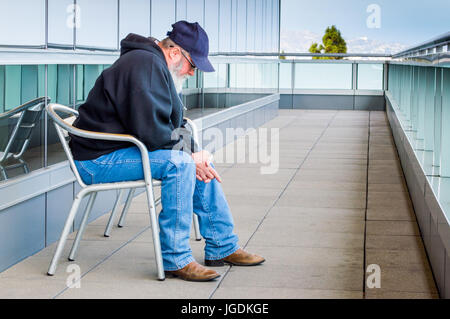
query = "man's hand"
{"x": 204, "y": 171}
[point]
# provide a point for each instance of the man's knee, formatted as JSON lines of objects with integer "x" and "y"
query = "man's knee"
{"x": 182, "y": 160}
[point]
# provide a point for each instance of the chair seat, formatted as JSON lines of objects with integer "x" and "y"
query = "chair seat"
{"x": 156, "y": 182}
{"x": 122, "y": 185}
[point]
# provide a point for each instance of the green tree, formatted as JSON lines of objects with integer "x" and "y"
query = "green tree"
{"x": 332, "y": 42}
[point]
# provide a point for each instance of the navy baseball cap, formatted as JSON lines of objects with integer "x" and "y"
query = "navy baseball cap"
{"x": 192, "y": 38}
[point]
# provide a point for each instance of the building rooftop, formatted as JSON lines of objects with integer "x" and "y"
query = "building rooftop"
{"x": 337, "y": 204}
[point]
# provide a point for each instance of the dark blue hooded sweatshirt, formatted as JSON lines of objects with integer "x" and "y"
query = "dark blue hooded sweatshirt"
{"x": 135, "y": 96}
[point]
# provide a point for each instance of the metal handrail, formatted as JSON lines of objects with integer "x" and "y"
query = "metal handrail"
{"x": 302, "y": 54}
{"x": 438, "y": 41}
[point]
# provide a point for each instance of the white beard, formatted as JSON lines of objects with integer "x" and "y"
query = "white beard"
{"x": 177, "y": 79}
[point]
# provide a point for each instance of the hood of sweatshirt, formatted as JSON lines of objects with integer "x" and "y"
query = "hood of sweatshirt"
{"x": 137, "y": 42}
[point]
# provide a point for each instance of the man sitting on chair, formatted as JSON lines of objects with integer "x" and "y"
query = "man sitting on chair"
{"x": 139, "y": 95}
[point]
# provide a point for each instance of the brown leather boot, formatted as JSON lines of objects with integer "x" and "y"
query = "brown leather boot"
{"x": 194, "y": 272}
{"x": 239, "y": 258}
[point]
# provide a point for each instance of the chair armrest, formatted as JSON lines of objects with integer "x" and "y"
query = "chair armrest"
{"x": 123, "y": 138}
{"x": 194, "y": 129}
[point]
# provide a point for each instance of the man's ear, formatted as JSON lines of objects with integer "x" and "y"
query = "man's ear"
{"x": 175, "y": 54}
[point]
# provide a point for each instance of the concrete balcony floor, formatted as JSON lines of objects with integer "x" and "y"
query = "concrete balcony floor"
{"x": 337, "y": 204}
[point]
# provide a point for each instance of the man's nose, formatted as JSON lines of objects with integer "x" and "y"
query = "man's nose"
{"x": 191, "y": 72}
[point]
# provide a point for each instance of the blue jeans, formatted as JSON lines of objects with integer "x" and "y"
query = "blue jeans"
{"x": 181, "y": 194}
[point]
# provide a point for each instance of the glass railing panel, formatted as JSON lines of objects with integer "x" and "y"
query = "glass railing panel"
{"x": 210, "y": 95}
{"x": 429, "y": 109}
{"x": 437, "y": 116}
{"x": 259, "y": 76}
{"x": 192, "y": 81}
{"x": 370, "y": 76}
{"x": 323, "y": 75}
{"x": 274, "y": 76}
{"x": 211, "y": 79}
{"x": 285, "y": 75}
{"x": 222, "y": 75}
{"x": 191, "y": 97}
{"x": 445, "y": 120}
{"x": 423, "y": 99}
{"x": 239, "y": 76}
{"x": 251, "y": 75}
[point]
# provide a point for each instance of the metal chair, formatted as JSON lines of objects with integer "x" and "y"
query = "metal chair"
{"x": 92, "y": 190}
{"x": 28, "y": 115}
{"x": 63, "y": 126}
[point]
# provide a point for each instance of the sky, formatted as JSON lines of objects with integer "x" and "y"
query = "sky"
{"x": 374, "y": 26}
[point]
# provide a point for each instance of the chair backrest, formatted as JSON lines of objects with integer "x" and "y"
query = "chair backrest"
{"x": 29, "y": 115}
{"x": 62, "y": 125}
{"x": 62, "y": 129}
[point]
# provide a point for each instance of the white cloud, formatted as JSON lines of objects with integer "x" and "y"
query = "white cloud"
{"x": 300, "y": 41}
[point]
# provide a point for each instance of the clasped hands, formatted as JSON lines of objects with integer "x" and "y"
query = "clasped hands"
{"x": 203, "y": 169}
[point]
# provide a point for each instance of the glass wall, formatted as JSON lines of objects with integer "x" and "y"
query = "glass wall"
{"x": 61, "y": 20}
{"x": 163, "y": 16}
{"x": 14, "y": 30}
{"x": 232, "y": 25}
{"x": 98, "y": 24}
{"x": 259, "y": 24}
{"x": 251, "y": 26}
{"x": 21, "y": 120}
{"x": 212, "y": 24}
{"x": 181, "y": 13}
{"x": 195, "y": 11}
{"x": 241, "y": 27}
{"x": 94, "y": 28}
{"x": 225, "y": 26}
{"x": 134, "y": 18}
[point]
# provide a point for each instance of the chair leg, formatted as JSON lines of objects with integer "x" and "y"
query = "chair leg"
{"x": 66, "y": 230}
{"x": 114, "y": 213}
{"x": 3, "y": 172}
{"x": 125, "y": 208}
{"x": 155, "y": 232}
{"x": 26, "y": 170}
{"x": 73, "y": 251}
{"x": 198, "y": 237}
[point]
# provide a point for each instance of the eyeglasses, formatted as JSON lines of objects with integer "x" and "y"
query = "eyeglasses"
{"x": 192, "y": 64}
